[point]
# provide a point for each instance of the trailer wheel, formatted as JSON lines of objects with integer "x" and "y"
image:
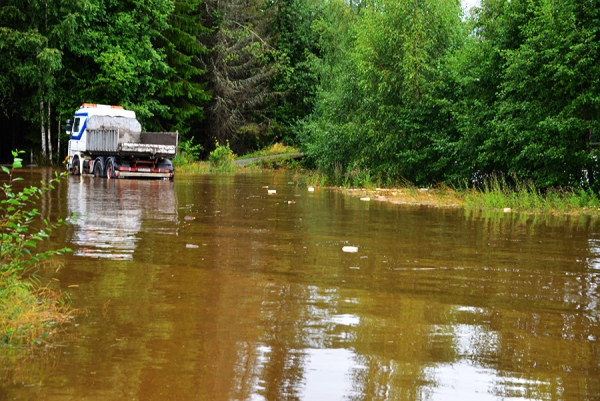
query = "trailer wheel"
{"x": 75, "y": 169}
{"x": 110, "y": 169}
{"x": 98, "y": 168}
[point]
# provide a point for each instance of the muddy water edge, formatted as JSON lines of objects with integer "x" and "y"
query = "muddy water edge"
{"x": 210, "y": 288}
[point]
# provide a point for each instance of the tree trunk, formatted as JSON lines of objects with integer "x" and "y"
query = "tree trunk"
{"x": 58, "y": 139}
{"x": 49, "y": 135}
{"x": 42, "y": 126}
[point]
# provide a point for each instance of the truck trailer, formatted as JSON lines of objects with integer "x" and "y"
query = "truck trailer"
{"x": 107, "y": 141}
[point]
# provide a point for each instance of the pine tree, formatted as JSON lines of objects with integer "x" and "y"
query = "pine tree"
{"x": 240, "y": 66}
{"x": 184, "y": 92}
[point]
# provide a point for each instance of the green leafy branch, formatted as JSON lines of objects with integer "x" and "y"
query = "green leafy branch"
{"x": 17, "y": 213}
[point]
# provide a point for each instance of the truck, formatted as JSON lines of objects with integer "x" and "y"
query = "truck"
{"x": 107, "y": 141}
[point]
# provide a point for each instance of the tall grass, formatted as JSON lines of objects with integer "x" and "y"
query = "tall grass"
{"x": 194, "y": 168}
{"x": 30, "y": 313}
{"x": 275, "y": 149}
{"x": 497, "y": 193}
{"x": 312, "y": 178}
{"x": 219, "y": 160}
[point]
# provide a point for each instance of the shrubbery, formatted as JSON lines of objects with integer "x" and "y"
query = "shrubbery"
{"x": 187, "y": 153}
{"x": 221, "y": 159}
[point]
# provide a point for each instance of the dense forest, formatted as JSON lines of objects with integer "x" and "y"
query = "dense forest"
{"x": 382, "y": 90}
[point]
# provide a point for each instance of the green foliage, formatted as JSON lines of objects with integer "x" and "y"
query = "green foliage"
{"x": 379, "y": 110}
{"x": 32, "y": 35}
{"x": 184, "y": 90}
{"x": 221, "y": 159}
{"x": 16, "y": 220}
{"x": 187, "y": 152}
{"x": 114, "y": 60}
{"x": 413, "y": 91}
{"x": 548, "y": 109}
{"x": 526, "y": 81}
{"x": 299, "y": 42}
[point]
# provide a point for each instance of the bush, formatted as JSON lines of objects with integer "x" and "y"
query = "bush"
{"x": 221, "y": 159}
{"x": 187, "y": 153}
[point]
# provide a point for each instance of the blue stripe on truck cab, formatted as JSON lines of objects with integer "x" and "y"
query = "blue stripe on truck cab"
{"x": 80, "y": 133}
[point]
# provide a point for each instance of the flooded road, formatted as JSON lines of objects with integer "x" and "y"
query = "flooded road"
{"x": 209, "y": 288}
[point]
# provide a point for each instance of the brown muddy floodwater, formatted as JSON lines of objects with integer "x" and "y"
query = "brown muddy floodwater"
{"x": 209, "y": 288}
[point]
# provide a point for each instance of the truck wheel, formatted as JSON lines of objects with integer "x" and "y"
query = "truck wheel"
{"x": 110, "y": 169}
{"x": 75, "y": 168}
{"x": 98, "y": 169}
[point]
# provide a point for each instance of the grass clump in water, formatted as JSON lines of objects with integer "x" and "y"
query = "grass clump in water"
{"x": 30, "y": 314}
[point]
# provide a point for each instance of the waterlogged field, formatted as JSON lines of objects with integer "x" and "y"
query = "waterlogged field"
{"x": 210, "y": 288}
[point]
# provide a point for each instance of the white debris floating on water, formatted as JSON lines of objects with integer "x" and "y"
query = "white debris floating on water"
{"x": 351, "y": 249}
{"x": 311, "y": 189}
{"x": 507, "y": 210}
{"x": 365, "y": 199}
{"x": 191, "y": 246}
{"x": 271, "y": 191}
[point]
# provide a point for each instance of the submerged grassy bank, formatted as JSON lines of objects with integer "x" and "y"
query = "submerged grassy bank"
{"x": 553, "y": 202}
{"x": 493, "y": 194}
